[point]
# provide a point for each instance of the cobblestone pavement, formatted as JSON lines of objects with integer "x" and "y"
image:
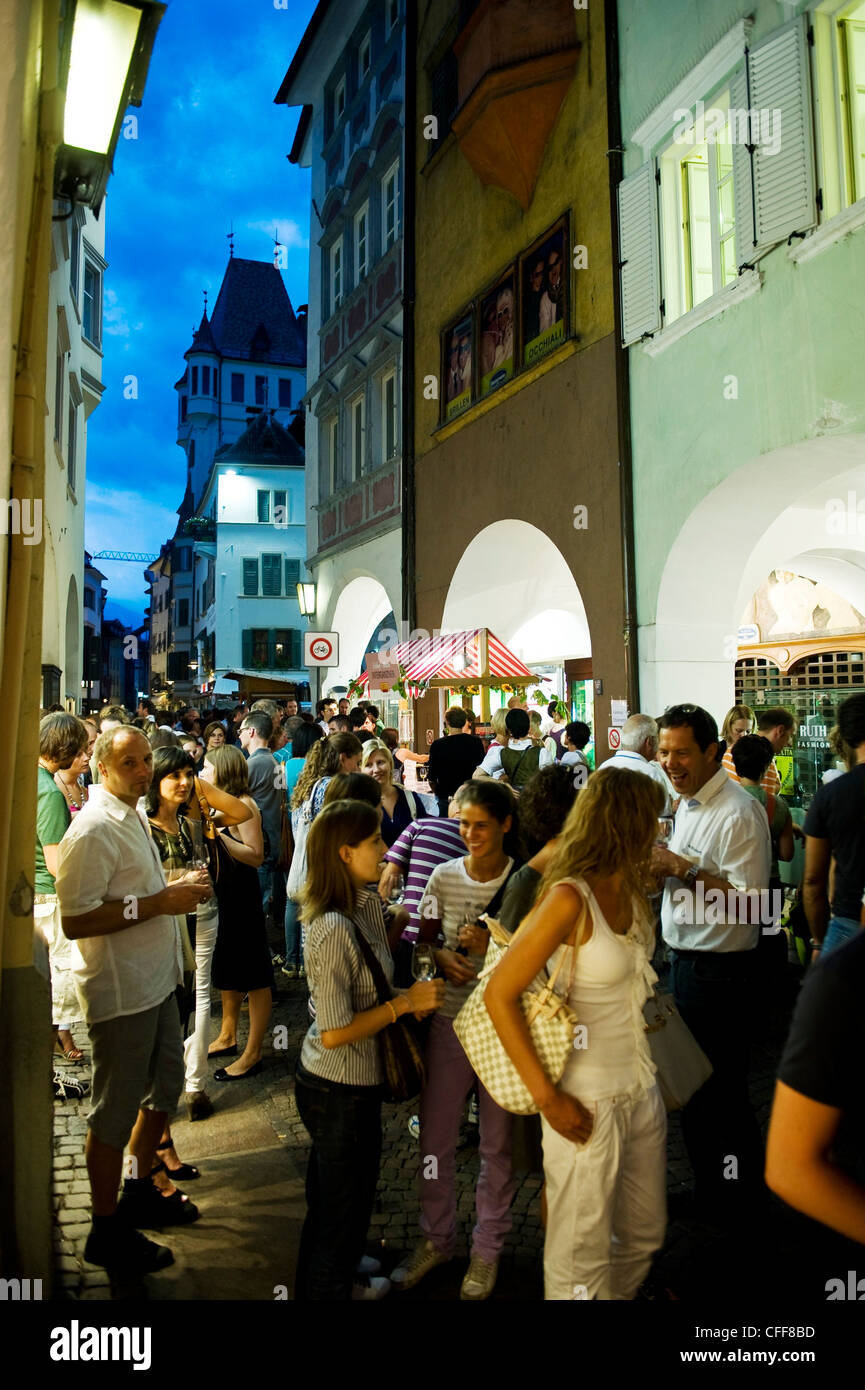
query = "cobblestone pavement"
{"x": 696, "y": 1262}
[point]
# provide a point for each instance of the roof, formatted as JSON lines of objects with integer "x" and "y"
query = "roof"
{"x": 265, "y": 440}
{"x": 455, "y": 659}
{"x": 202, "y": 340}
{"x": 252, "y": 318}
{"x": 319, "y": 15}
{"x": 300, "y": 135}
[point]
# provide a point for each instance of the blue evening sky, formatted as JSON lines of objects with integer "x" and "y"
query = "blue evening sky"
{"x": 211, "y": 150}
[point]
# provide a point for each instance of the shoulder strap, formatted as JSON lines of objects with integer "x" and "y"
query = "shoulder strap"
{"x": 412, "y": 802}
{"x": 373, "y": 965}
{"x": 496, "y": 900}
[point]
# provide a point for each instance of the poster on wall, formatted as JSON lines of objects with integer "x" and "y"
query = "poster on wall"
{"x": 457, "y": 366}
{"x": 544, "y": 285}
{"x": 496, "y": 333}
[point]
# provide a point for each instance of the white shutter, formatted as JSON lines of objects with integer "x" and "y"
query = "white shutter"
{"x": 784, "y": 183}
{"x": 638, "y": 254}
{"x": 743, "y": 192}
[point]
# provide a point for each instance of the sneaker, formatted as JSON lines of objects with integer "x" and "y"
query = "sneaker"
{"x": 414, "y": 1126}
{"x": 290, "y": 972}
{"x": 480, "y": 1278}
{"x": 278, "y": 961}
{"x": 301, "y": 972}
{"x": 367, "y": 1264}
{"x": 368, "y": 1289}
{"x": 424, "y": 1258}
{"x": 67, "y": 1089}
{"x": 123, "y": 1251}
{"x": 199, "y": 1106}
{"x": 142, "y": 1204}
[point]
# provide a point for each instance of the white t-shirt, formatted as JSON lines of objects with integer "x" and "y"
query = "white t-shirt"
{"x": 455, "y": 898}
{"x": 635, "y": 762}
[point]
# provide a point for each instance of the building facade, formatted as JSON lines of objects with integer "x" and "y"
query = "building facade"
{"x": 348, "y": 76}
{"x": 518, "y": 478}
{"x": 95, "y": 596}
{"x": 742, "y": 219}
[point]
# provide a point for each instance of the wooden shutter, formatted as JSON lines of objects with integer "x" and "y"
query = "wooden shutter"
{"x": 784, "y": 183}
{"x": 271, "y": 566}
{"x": 743, "y": 191}
{"x": 292, "y": 574}
{"x": 250, "y": 577}
{"x": 246, "y": 648}
{"x": 639, "y": 257}
{"x": 296, "y": 649}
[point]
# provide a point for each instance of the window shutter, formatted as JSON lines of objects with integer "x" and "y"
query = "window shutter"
{"x": 270, "y": 575}
{"x": 292, "y": 574}
{"x": 296, "y": 649}
{"x": 250, "y": 577}
{"x": 246, "y": 648}
{"x": 271, "y": 649}
{"x": 743, "y": 192}
{"x": 639, "y": 254}
{"x": 784, "y": 183}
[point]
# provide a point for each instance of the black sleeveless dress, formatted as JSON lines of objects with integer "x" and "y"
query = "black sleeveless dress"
{"x": 241, "y": 960}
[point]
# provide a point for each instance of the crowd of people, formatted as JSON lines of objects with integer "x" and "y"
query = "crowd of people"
{"x": 169, "y": 854}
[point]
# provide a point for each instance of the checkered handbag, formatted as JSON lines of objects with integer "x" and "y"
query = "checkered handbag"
{"x": 551, "y": 1024}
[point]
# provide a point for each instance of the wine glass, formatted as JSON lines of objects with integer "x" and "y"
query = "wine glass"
{"x": 423, "y": 966}
{"x": 396, "y": 890}
{"x": 665, "y": 831}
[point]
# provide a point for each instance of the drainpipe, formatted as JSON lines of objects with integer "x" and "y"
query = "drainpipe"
{"x": 409, "y": 595}
{"x": 623, "y": 393}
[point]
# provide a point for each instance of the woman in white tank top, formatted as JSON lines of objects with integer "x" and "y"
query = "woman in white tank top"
{"x": 604, "y": 1125}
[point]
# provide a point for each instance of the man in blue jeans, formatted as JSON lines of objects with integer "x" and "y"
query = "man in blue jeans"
{"x": 719, "y": 853}
{"x": 835, "y": 829}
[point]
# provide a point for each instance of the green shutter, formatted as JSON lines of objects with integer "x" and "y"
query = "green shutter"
{"x": 250, "y": 577}
{"x": 271, "y": 649}
{"x": 270, "y": 575}
{"x": 246, "y": 648}
{"x": 296, "y": 649}
{"x": 292, "y": 574}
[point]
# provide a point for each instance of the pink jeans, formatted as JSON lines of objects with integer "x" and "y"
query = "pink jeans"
{"x": 449, "y": 1080}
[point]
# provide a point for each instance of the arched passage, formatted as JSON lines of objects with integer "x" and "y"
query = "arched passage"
{"x": 361, "y": 606}
{"x": 72, "y": 651}
{"x": 773, "y": 512}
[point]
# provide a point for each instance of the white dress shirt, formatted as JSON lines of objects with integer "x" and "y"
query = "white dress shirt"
{"x": 492, "y": 763}
{"x": 726, "y": 832}
{"x": 635, "y": 762}
{"x": 108, "y": 855}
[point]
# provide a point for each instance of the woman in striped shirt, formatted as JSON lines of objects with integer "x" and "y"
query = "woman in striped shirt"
{"x": 339, "y": 1075}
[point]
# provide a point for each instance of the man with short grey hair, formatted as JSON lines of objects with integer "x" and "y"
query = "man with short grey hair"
{"x": 639, "y": 744}
{"x": 121, "y": 918}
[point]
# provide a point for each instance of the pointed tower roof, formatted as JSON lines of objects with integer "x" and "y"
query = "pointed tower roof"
{"x": 203, "y": 340}
{"x": 253, "y": 318}
{"x": 187, "y": 506}
{"x": 265, "y": 440}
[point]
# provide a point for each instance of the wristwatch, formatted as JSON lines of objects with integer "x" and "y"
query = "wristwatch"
{"x": 690, "y": 875}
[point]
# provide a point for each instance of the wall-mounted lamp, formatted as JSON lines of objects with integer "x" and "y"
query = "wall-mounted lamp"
{"x": 306, "y": 599}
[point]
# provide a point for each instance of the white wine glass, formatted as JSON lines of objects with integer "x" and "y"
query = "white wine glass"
{"x": 396, "y": 890}
{"x": 423, "y": 966}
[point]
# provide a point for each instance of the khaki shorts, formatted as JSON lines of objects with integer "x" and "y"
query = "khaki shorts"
{"x": 65, "y": 1008}
{"x": 137, "y": 1064}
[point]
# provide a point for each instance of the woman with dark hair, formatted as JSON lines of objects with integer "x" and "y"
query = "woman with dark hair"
{"x": 456, "y": 895}
{"x": 339, "y": 1074}
{"x": 574, "y": 739}
{"x": 241, "y": 960}
{"x": 174, "y": 810}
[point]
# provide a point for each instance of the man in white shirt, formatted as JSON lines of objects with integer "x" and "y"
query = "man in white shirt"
{"x": 715, "y": 903}
{"x": 639, "y": 744}
{"x": 521, "y": 759}
{"x": 120, "y": 915}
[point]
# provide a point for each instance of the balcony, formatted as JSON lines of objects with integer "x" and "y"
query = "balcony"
{"x": 357, "y": 511}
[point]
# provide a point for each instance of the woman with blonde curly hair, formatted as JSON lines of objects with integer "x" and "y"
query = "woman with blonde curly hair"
{"x": 399, "y": 806}
{"x": 604, "y": 1124}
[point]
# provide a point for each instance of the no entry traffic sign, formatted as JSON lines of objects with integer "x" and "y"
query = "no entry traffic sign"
{"x": 321, "y": 649}
{"x": 614, "y": 739}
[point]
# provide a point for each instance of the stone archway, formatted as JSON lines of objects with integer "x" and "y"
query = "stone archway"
{"x": 72, "y": 646}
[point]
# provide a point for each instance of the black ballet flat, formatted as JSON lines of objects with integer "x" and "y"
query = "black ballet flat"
{"x": 223, "y": 1075}
{"x": 224, "y": 1051}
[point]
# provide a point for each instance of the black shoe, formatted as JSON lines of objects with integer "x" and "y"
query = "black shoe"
{"x": 224, "y": 1051}
{"x": 142, "y": 1204}
{"x": 223, "y": 1075}
{"x": 124, "y": 1251}
{"x": 67, "y": 1089}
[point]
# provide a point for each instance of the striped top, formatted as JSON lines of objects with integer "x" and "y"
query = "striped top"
{"x": 342, "y": 986}
{"x": 770, "y": 781}
{"x": 422, "y": 846}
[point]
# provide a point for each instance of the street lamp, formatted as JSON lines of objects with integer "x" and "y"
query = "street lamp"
{"x": 306, "y": 599}
{"x": 109, "y": 52}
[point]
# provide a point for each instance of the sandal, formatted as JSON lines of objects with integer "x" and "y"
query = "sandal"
{"x": 186, "y": 1171}
{"x": 73, "y": 1055}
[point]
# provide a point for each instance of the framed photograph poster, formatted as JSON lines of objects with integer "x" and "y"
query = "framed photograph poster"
{"x": 545, "y": 294}
{"x": 497, "y": 333}
{"x": 457, "y": 366}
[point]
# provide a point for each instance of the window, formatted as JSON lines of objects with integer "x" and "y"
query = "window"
{"x": 272, "y": 649}
{"x": 388, "y": 414}
{"x": 72, "y": 445}
{"x": 284, "y": 392}
{"x": 292, "y": 575}
{"x": 183, "y": 612}
{"x": 60, "y": 367}
{"x": 90, "y": 600}
{"x": 392, "y": 14}
{"x": 183, "y": 559}
{"x": 329, "y": 460}
{"x": 698, "y": 213}
{"x": 263, "y": 506}
{"x": 184, "y": 408}
{"x": 194, "y": 388}
{"x": 336, "y": 275}
{"x": 271, "y": 575}
{"x": 363, "y": 59}
{"x": 390, "y": 213}
{"x": 260, "y": 646}
{"x": 205, "y": 381}
{"x": 215, "y": 382}
{"x": 261, "y": 390}
{"x": 280, "y": 508}
{"x": 357, "y": 414}
{"x": 851, "y": 33}
{"x": 237, "y": 393}
{"x": 250, "y": 578}
{"x": 839, "y": 70}
{"x": 74, "y": 260}
{"x": 339, "y": 100}
{"x": 361, "y": 243}
{"x": 91, "y": 315}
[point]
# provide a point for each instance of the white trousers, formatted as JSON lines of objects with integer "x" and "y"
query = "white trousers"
{"x": 196, "y": 1045}
{"x": 65, "y": 1008}
{"x": 606, "y": 1200}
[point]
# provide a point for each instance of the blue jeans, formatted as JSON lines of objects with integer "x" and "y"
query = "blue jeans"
{"x": 344, "y": 1124}
{"x": 292, "y": 933}
{"x": 840, "y": 929}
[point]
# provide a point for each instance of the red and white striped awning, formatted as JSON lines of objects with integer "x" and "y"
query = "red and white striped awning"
{"x": 456, "y": 659}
